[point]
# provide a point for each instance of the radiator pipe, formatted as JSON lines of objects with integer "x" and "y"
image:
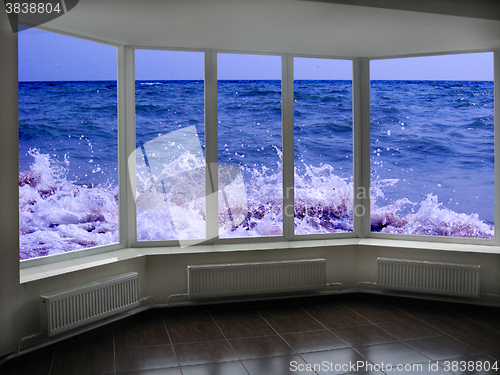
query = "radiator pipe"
{"x": 336, "y": 284}
{"x": 176, "y": 295}
{"x": 18, "y": 352}
{"x": 67, "y": 335}
{"x": 490, "y": 295}
{"x": 147, "y": 298}
{"x": 364, "y": 283}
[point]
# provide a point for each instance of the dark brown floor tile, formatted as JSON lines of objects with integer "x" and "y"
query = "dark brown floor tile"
{"x": 130, "y": 338}
{"x": 157, "y": 371}
{"x": 475, "y": 364}
{"x": 383, "y": 314}
{"x": 224, "y": 368}
{"x": 453, "y": 324}
{"x": 356, "y": 302}
{"x": 424, "y": 312}
{"x": 494, "y": 353}
{"x": 410, "y": 329}
{"x": 364, "y": 335}
{"x": 393, "y": 353}
{"x": 193, "y": 333}
{"x": 325, "y": 298}
{"x": 339, "y": 361}
{"x": 324, "y": 308}
{"x": 313, "y": 341}
{"x": 441, "y": 331}
{"x": 225, "y": 306}
{"x": 142, "y": 321}
{"x": 259, "y": 347}
{"x": 441, "y": 347}
{"x": 487, "y": 316}
{"x": 273, "y": 302}
{"x": 246, "y": 328}
{"x": 188, "y": 318}
{"x": 97, "y": 341}
{"x": 281, "y": 365}
{"x": 204, "y": 352}
{"x": 36, "y": 363}
{"x": 145, "y": 358}
{"x": 82, "y": 362}
{"x": 234, "y": 315}
{"x": 299, "y": 323}
{"x": 341, "y": 319}
{"x": 483, "y": 339}
{"x": 280, "y": 311}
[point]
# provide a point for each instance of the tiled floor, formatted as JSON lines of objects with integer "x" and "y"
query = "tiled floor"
{"x": 337, "y": 334}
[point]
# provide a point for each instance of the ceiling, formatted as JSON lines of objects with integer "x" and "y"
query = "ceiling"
{"x": 487, "y": 9}
{"x": 283, "y": 26}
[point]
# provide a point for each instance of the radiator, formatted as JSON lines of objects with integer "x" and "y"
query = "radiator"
{"x": 220, "y": 280}
{"x": 71, "y": 308}
{"x": 461, "y": 280}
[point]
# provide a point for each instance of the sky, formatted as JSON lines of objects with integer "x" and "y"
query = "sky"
{"x": 45, "y": 56}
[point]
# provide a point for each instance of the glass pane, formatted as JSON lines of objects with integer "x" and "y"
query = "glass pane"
{"x": 68, "y": 194}
{"x": 249, "y": 110}
{"x": 169, "y": 157}
{"x": 432, "y": 146}
{"x": 323, "y": 145}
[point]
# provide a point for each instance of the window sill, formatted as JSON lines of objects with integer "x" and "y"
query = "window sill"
{"x": 428, "y": 245}
{"x": 66, "y": 266}
{"x": 59, "y": 268}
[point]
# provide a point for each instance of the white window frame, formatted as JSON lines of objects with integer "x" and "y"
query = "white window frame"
{"x": 461, "y": 240}
{"x": 361, "y": 157}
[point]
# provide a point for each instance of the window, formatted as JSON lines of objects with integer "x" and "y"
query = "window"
{"x": 323, "y": 145}
{"x": 249, "y": 130}
{"x": 68, "y": 196}
{"x": 432, "y": 145}
{"x": 170, "y": 130}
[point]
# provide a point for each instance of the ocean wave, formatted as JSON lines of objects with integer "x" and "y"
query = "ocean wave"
{"x": 430, "y": 219}
{"x": 57, "y": 215}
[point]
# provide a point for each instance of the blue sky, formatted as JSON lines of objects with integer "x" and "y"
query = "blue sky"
{"x": 46, "y": 56}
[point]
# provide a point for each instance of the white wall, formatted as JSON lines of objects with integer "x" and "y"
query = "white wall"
{"x": 9, "y": 228}
{"x": 19, "y": 304}
{"x": 166, "y": 274}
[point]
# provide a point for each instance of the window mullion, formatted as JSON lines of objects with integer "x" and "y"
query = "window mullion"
{"x": 288, "y": 145}
{"x": 361, "y": 146}
{"x": 496, "y": 79}
{"x": 126, "y": 145}
{"x": 211, "y": 147}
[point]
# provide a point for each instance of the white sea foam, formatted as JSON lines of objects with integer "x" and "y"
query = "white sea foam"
{"x": 57, "y": 215}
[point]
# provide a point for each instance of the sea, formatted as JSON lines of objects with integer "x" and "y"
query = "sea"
{"x": 432, "y": 160}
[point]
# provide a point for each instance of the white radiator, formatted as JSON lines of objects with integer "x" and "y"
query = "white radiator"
{"x": 81, "y": 305}
{"x": 461, "y": 280}
{"x": 220, "y": 280}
